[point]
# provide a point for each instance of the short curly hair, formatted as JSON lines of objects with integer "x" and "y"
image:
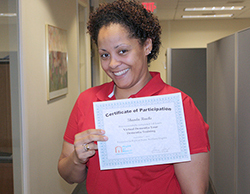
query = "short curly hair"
{"x": 140, "y": 23}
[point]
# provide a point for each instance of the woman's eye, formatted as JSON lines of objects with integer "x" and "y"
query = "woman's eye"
{"x": 104, "y": 55}
{"x": 123, "y": 51}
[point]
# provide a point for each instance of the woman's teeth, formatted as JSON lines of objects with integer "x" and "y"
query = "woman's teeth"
{"x": 121, "y": 72}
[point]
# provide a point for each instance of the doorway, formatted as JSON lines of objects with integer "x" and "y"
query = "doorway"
{"x": 6, "y": 166}
{"x": 84, "y": 46}
{"x": 10, "y": 128}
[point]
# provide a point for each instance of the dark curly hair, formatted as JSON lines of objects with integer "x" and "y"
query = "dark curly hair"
{"x": 140, "y": 23}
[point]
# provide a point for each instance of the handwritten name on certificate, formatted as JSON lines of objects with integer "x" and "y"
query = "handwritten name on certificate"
{"x": 142, "y": 131}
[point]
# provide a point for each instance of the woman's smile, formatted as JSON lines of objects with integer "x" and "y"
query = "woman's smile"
{"x": 122, "y": 72}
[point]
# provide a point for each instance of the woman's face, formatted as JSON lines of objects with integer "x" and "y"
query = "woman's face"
{"x": 122, "y": 58}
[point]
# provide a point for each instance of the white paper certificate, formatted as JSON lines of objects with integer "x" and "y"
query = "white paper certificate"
{"x": 142, "y": 131}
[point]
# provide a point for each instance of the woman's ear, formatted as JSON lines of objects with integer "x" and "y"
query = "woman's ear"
{"x": 148, "y": 46}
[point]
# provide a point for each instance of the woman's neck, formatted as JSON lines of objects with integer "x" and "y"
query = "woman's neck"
{"x": 121, "y": 93}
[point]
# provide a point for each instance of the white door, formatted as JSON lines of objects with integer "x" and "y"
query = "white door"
{"x": 84, "y": 46}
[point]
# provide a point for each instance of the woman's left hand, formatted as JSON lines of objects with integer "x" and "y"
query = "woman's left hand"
{"x": 85, "y": 146}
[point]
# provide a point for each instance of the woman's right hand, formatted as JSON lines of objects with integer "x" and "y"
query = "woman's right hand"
{"x": 85, "y": 146}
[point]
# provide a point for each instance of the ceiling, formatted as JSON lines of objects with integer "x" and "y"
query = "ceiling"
{"x": 171, "y": 9}
{"x": 174, "y": 9}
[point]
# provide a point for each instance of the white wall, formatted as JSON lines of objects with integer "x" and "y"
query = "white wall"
{"x": 44, "y": 123}
{"x": 193, "y": 34}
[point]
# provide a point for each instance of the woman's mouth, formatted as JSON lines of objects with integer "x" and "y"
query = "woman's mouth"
{"x": 120, "y": 72}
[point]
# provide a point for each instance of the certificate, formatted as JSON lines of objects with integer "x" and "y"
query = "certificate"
{"x": 142, "y": 131}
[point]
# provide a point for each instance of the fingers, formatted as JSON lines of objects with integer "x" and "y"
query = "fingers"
{"x": 83, "y": 156}
{"x": 86, "y": 147}
{"x": 85, "y": 151}
{"x": 84, "y": 143}
{"x": 89, "y": 147}
{"x": 91, "y": 135}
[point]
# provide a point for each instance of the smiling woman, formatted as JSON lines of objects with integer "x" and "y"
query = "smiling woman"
{"x": 128, "y": 38}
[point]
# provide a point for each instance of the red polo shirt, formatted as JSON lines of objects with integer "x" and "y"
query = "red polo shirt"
{"x": 138, "y": 180}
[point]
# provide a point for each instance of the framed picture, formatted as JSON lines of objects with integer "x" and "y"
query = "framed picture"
{"x": 57, "y": 62}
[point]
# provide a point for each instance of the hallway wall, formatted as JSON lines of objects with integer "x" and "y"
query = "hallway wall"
{"x": 44, "y": 122}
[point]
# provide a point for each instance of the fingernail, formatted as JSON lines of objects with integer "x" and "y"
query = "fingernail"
{"x": 102, "y": 131}
{"x": 105, "y": 137}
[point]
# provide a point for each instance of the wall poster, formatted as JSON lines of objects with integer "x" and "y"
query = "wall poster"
{"x": 57, "y": 62}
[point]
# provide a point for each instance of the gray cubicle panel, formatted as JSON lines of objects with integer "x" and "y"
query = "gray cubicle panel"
{"x": 243, "y": 111}
{"x": 221, "y": 112}
{"x": 187, "y": 72}
{"x": 228, "y": 87}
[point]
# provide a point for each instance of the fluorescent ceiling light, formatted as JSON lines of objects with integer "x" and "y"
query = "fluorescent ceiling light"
{"x": 208, "y": 16}
{"x": 7, "y": 14}
{"x": 223, "y": 8}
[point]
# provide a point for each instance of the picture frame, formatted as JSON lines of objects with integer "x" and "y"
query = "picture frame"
{"x": 57, "y": 62}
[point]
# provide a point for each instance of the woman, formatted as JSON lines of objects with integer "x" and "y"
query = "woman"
{"x": 128, "y": 38}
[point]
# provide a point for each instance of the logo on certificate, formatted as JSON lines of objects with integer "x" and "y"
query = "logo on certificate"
{"x": 125, "y": 149}
{"x": 118, "y": 149}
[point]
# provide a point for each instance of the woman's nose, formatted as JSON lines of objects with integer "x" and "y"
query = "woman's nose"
{"x": 114, "y": 62}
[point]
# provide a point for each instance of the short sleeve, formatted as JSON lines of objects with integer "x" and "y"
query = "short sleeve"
{"x": 197, "y": 128}
{"x": 72, "y": 126}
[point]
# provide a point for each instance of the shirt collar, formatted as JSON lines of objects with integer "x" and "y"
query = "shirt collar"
{"x": 153, "y": 87}
{"x": 112, "y": 93}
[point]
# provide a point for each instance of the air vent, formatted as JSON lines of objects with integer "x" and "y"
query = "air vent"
{"x": 207, "y": 14}
{"x": 233, "y": 2}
